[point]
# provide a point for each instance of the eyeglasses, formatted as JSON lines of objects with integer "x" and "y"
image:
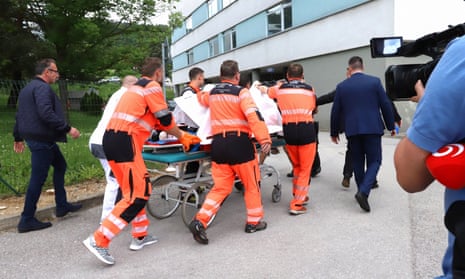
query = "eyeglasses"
{"x": 52, "y": 70}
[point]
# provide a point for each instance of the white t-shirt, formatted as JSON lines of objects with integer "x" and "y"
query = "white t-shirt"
{"x": 97, "y": 134}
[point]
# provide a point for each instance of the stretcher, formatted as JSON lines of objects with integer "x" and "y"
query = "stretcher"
{"x": 188, "y": 191}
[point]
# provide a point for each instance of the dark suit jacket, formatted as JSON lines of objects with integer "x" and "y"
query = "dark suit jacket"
{"x": 357, "y": 104}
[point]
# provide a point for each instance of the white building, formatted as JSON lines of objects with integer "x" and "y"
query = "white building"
{"x": 264, "y": 36}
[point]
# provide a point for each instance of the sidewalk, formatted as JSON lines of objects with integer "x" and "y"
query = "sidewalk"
{"x": 402, "y": 237}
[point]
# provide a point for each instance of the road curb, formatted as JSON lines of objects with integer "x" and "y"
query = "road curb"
{"x": 11, "y": 222}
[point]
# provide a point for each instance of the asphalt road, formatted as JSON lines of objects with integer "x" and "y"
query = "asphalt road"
{"x": 402, "y": 237}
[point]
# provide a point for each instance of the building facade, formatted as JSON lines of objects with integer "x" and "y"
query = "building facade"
{"x": 264, "y": 36}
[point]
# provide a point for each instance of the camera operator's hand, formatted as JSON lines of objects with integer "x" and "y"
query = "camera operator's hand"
{"x": 420, "y": 89}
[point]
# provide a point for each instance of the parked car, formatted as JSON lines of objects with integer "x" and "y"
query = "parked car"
{"x": 110, "y": 79}
{"x": 114, "y": 79}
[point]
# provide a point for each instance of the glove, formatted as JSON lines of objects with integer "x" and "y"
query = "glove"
{"x": 188, "y": 139}
{"x": 447, "y": 165}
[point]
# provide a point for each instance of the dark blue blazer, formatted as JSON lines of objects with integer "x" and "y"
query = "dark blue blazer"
{"x": 358, "y": 104}
{"x": 40, "y": 115}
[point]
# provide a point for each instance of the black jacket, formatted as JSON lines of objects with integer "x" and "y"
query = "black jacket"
{"x": 40, "y": 115}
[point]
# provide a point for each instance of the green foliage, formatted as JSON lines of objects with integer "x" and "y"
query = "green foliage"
{"x": 87, "y": 37}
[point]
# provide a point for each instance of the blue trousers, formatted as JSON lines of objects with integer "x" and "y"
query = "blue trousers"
{"x": 365, "y": 150}
{"x": 44, "y": 155}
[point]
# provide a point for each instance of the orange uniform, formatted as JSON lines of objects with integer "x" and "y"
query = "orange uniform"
{"x": 141, "y": 109}
{"x": 297, "y": 101}
{"x": 234, "y": 116}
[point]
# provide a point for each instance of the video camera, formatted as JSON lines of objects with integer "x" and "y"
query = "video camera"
{"x": 401, "y": 79}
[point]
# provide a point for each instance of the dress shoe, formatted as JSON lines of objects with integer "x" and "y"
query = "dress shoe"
{"x": 315, "y": 172}
{"x": 346, "y": 182}
{"x": 375, "y": 185}
{"x": 291, "y": 174}
{"x": 251, "y": 228}
{"x": 362, "y": 200}
{"x": 70, "y": 207}
{"x": 32, "y": 225}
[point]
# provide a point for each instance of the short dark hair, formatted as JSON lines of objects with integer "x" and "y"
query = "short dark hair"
{"x": 151, "y": 64}
{"x": 356, "y": 62}
{"x": 295, "y": 70}
{"x": 194, "y": 72}
{"x": 43, "y": 64}
{"x": 229, "y": 68}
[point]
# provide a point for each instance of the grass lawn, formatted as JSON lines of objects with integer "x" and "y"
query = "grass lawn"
{"x": 82, "y": 166}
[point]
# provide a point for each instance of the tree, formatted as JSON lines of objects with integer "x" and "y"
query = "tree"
{"x": 79, "y": 34}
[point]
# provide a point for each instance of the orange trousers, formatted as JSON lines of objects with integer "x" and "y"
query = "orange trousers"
{"x": 302, "y": 157}
{"x": 136, "y": 188}
{"x": 223, "y": 178}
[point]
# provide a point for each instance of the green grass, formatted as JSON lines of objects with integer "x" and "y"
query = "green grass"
{"x": 82, "y": 166}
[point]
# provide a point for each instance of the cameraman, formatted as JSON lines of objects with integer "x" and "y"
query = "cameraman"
{"x": 442, "y": 104}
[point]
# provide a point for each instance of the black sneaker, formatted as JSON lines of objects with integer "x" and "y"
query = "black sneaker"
{"x": 32, "y": 225}
{"x": 70, "y": 207}
{"x": 251, "y": 228}
{"x": 291, "y": 174}
{"x": 198, "y": 232}
{"x": 315, "y": 172}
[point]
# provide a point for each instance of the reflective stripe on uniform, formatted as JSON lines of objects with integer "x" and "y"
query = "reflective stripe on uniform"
{"x": 139, "y": 229}
{"x": 294, "y": 91}
{"x": 145, "y": 91}
{"x": 106, "y": 232}
{"x": 133, "y": 119}
{"x": 161, "y": 113}
{"x": 229, "y": 122}
{"x": 140, "y": 218}
{"x": 255, "y": 211}
{"x": 224, "y": 98}
{"x": 296, "y": 111}
{"x": 251, "y": 110}
{"x": 116, "y": 221}
{"x": 253, "y": 219}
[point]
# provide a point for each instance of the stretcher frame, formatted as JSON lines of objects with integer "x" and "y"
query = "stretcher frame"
{"x": 188, "y": 191}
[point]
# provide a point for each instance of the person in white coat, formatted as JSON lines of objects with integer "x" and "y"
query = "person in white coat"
{"x": 96, "y": 148}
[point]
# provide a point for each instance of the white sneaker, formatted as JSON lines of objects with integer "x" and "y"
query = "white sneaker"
{"x": 137, "y": 244}
{"x": 100, "y": 252}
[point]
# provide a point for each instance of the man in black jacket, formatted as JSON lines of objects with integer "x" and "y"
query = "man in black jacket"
{"x": 40, "y": 121}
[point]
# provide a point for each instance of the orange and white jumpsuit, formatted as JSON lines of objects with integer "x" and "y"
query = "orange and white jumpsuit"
{"x": 140, "y": 110}
{"x": 234, "y": 117}
{"x": 297, "y": 101}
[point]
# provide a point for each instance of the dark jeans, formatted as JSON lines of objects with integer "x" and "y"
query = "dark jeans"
{"x": 44, "y": 155}
{"x": 365, "y": 150}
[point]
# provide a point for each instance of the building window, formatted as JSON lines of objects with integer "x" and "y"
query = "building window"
{"x": 279, "y": 17}
{"x": 188, "y": 24}
{"x": 190, "y": 57}
{"x": 212, "y": 7}
{"x": 227, "y": 3}
{"x": 214, "y": 46}
{"x": 229, "y": 40}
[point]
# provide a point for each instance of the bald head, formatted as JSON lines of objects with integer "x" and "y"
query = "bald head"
{"x": 128, "y": 81}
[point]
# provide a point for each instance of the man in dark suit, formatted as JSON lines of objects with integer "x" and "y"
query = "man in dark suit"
{"x": 357, "y": 106}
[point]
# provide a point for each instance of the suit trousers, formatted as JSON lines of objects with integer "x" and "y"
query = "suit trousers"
{"x": 365, "y": 150}
{"x": 44, "y": 155}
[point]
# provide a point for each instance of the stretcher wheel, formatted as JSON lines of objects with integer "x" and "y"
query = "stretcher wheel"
{"x": 165, "y": 197}
{"x": 276, "y": 194}
{"x": 270, "y": 178}
{"x": 193, "y": 201}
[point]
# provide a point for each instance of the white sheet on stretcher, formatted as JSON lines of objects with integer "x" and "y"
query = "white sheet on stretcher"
{"x": 201, "y": 115}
